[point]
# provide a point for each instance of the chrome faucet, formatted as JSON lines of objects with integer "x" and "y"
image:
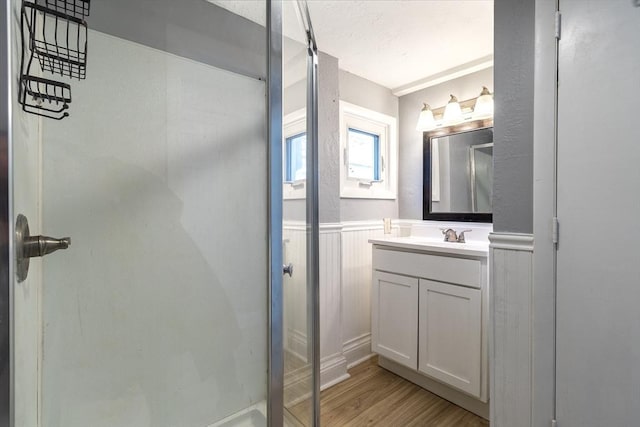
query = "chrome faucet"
{"x": 450, "y": 235}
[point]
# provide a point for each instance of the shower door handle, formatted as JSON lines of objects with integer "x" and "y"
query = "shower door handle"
{"x": 287, "y": 269}
{"x": 28, "y": 246}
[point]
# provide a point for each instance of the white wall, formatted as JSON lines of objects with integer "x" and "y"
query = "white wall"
{"x": 411, "y": 142}
{"x": 156, "y": 314}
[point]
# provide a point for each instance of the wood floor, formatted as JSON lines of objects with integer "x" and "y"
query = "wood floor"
{"x": 376, "y": 397}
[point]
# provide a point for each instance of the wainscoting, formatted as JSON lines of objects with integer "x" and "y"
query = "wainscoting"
{"x": 333, "y": 365}
{"x": 345, "y": 282}
{"x": 356, "y": 286}
{"x": 511, "y": 260}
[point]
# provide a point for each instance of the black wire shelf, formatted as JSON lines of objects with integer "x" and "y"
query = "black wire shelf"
{"x": 76, "y": 8}
{"x": 45, "y": 97}
{"x": 54, "y": 34}
{"x": 57, "y": 40}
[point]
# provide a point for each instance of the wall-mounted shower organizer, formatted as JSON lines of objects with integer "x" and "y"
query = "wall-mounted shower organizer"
{"x": 54, "y": 34}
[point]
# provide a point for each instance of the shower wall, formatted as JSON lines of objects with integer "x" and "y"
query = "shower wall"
{"x": 157, "y": 313}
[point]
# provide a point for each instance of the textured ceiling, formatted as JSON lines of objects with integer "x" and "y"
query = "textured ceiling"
{"x": 395, "y": 43}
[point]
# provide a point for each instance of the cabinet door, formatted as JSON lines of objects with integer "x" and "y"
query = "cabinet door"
{"x": 451, "y": 334}
{"x": 394, "y": 318}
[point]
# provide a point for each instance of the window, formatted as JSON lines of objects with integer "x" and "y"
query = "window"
{"x": 364, "y": 155}
{"x": 369, "y": 153}
{"x": 295, "y": 167}
{"x": 294, "y": 154}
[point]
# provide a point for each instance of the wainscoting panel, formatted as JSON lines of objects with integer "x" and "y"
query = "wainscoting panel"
{"x": 356, "y": 286}
{"x": 295, "y": 292}
{"x": 511, "y": 260}
{"x": 333, "y": 365}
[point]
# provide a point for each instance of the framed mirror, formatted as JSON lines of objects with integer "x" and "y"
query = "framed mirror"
{"x": 458, "y": 172}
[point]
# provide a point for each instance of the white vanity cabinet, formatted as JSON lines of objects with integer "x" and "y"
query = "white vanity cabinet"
{"x": 450, "y": 334}
{"x": 395, "y": 317}
{"x": 429, "y": 314}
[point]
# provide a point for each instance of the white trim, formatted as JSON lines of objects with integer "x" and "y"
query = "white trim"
{"x": 511, "y": 241}
{"x": 387, "y": 128}
{"x": 297, "y": 344}
{"x": 365, "y": 225}
{"x": 357, "y": 350}
{"x": 331, "y": 227}
{"x": 543, "y": 298}
{"x": 333, "y": 369}
{"x": 327, "y": 227}
{"x": 444, "y": 76}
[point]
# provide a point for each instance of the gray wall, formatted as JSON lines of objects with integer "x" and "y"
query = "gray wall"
{"x": 193, "y": 29}
{"x": 335, "y": 85}
{"x": 329, "y": 138}
{"x": 410, "y": 159}
{"x": 365, "y": 93}
{"x": 513, "y": 130}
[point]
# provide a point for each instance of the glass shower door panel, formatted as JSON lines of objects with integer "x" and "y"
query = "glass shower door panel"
{"x": 155, "y": 315}
{"x": 297, "y": 294}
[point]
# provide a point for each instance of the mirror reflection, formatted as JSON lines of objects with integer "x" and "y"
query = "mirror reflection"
{"x": 461, "y": 173}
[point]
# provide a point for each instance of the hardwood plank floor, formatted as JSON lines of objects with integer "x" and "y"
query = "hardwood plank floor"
{"x": 374, "y": 396}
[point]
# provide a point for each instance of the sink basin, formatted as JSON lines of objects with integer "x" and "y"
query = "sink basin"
{"x": 473, "y": 248}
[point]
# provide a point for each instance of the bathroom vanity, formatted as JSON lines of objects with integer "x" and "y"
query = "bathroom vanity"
{"x": 430, "y": 312}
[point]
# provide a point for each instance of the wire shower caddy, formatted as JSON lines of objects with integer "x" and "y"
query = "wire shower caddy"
{"x": 55, "y": 36}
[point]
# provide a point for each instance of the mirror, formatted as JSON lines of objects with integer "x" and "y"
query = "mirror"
{"x": 458, "y": 172}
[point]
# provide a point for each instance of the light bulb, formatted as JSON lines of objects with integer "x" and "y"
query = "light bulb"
{"x": 484, "y": 104}
{"x": 425, "y": 120}
{"x": 453, "y": 112}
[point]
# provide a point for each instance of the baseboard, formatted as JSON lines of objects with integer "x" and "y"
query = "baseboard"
{"x": 333, "y": 369}
{"x": 452, "y": 395}
{"x": 357, "y": 350}
{"x": 297, "y": 344}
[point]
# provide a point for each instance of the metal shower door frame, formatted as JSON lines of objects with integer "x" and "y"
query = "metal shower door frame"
{"x": 6, "y": 228}
{"x": 275, "y": 389}
{"x": 274, "y": 108}
{"x": 274, "y": 128}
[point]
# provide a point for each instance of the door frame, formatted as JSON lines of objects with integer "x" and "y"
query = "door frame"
{"x": 275, "y": 380}
{"x": 543, "y": 296}
{"x": 312, "y": 210}
{"x": 6, "y": 227}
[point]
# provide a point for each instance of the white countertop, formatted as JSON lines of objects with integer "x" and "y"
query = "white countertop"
{"x": 472, "y": 248}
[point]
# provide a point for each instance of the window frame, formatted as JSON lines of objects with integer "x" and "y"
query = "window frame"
{"x": 293, "y": 124}
{"x": 386, "y": 127}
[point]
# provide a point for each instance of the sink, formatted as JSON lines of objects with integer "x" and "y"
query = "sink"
{"x": 428, "y": 244}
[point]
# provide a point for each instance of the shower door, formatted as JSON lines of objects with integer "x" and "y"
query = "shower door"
{"x": 157, "y": 313}
{"x": 300, "y": 219}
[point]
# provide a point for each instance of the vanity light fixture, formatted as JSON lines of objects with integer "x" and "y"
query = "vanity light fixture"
{"x": 426, "y": 121}
{"x": 484, "y": 104}
{"x": 457, "y": 113}
{"x": 453, "y": 112}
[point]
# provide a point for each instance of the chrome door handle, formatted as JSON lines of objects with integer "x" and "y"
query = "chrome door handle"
{"x": 28, "y": 246}
{"x": 287, "y": 269}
